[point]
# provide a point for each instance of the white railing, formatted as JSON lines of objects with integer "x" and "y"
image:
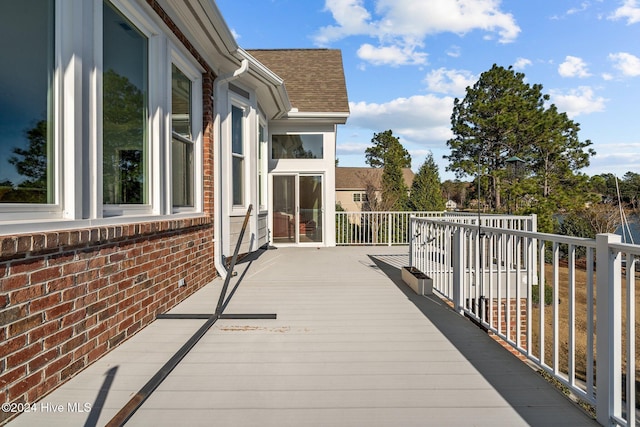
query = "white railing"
{"x": 537, "y": 292}
{"x": 392, "y": 228}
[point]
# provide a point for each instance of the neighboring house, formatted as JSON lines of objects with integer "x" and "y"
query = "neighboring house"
{"x": 451, "y": 205}
{"x": 354, "y": 185}
{"x": 135, "y": 135}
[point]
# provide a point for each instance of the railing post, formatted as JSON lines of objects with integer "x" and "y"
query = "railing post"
{"x": 411, "y": 239}
{"x": 389, "y": 233}
{"x": 608, "y": 329}
{"x": 457, "y": 254}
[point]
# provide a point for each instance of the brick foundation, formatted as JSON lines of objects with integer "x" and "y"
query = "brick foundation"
{"x": 69, "y": 297}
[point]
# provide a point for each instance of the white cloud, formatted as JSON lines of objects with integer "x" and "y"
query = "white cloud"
{"x": 400, "y": 26}
{"x": 630, "y": 10}
{"x": 351, "y": 17}
{"x": 391, "y": 55}
{"x": 349, "y": 148}
{"x": 421, "y": 118}
{"x": 615, "y": 158}
{"x": 573, "y": 67}
{"x": 521, "y": 63}
{"x": 583, "y": 6}
{"x": 578, "y": 101}
{"x": 450, "y": 82}
{"x": 626, "y": 63}
{"x": 454, "y": 51}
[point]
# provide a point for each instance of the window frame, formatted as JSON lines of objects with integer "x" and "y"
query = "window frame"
{"x": 296, "y": 159}
{"x": 155, "y": 62}
{"x": 77, "y": 122}
{"x": 55, "y": 106}
{"x": 263, "y": 164}
{"x": 194, "y": 73}
{"x": 237, "y": 102}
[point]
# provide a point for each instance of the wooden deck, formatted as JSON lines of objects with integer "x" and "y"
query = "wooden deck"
{"x": 351, "y": 346}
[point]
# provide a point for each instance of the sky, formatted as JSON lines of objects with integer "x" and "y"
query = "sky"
{"x": 405, "y": 62}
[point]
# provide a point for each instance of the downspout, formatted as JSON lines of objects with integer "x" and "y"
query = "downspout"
{"x": 218, "y": 213}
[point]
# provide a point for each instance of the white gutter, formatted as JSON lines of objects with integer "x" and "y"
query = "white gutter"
{"x": 217, "y": 166}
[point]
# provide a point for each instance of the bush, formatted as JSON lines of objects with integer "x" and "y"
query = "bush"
{"x": 548, "y": 294}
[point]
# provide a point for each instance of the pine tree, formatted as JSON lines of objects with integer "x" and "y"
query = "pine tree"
{"x": 388, "y": 153}
{"x": 426, "y": 192}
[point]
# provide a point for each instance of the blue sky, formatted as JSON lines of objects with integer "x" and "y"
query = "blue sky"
{"x": 406, "y": 60}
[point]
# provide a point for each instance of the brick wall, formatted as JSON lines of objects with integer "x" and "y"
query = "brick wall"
{"x": 69, "y": 297}
{"x": 513, "y": 319}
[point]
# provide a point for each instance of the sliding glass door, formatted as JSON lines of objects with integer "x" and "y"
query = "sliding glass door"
{"x": 297, "y": 209}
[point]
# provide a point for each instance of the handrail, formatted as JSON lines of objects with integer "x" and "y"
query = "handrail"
{"x": 392, "y": 227}
{"x": 494, "y": 276}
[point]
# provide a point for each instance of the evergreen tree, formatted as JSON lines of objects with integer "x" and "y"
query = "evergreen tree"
{"x": 387, "y": 152}
{"x": 394, "y": 189}
{"x": 384, "y": 144}
{"x": 426, "y": 192}
{"x": 500, "y": 117}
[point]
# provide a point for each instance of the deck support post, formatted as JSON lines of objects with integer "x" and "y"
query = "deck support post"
{"x": 608, "y": 329}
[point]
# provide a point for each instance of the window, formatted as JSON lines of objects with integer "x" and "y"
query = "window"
{"x": 359, "y": 197}
{"x": 125, "y": 154}
{"x": 66, "y": 153}
{"x": 27, "y": 159}
{"x": 237, "y": 155}
{"x": 305, "y": 146}
{"x": 182, "y": 139}
{"x": 262, "y": 166}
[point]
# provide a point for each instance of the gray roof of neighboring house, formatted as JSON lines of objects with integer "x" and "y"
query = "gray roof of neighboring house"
{"x": 314, "y": 78}
{"x": 352, "y": 178}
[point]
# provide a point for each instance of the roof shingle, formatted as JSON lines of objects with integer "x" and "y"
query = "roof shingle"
{"x": 314, "y": 78}
{"x": 352, "y": 178}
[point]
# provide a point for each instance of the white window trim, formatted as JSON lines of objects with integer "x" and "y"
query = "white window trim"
{"x": 239, "y": 102}
{"x": 262, "y": 158}
{"x": 157, "y": 58}
{"x": 77, "y": 119}
{"x": 62, "y": 46}
{"x": 194, "y": 73}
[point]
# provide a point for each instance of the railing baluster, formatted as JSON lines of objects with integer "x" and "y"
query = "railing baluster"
{"x": 572, "y": 316}
{"x": 631, "y": 340}
{"x": 556, "y": 286}
{"x": 590, "y": 319}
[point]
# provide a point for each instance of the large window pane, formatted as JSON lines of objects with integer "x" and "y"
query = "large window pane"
{"x": 296, "y": 147}
{"x": 180, "y": 102}
{"x": 236, "y": 130}
{"x": 237, "y": 154}
{"x": 124, "y": 146}
{"x": 182, "y": 173}
{"x": 182, "y": 146}
{"x": 238, "y": 180}
{"x": 26, "y": 114}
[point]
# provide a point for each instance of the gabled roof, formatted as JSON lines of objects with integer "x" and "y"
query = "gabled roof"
{"x": 351, "y": 178}
{"x": 314, "y": 78}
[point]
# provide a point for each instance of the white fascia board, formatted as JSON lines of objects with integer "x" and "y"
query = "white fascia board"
{"x": 330, "y": 117}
